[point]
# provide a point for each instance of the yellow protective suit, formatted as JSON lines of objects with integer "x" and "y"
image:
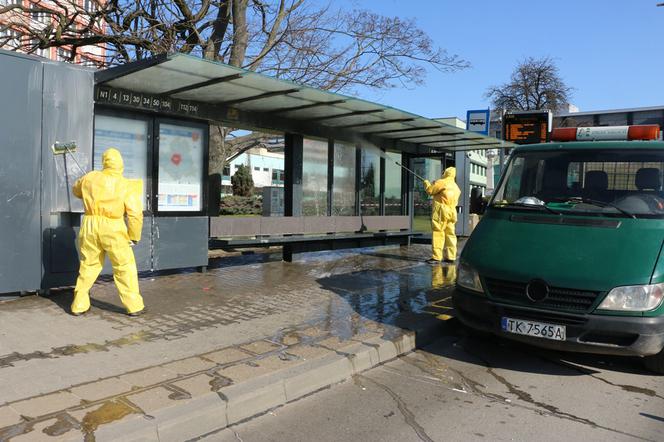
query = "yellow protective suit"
{"x": 445, "y": 193}
{"x": 107, "y": 197}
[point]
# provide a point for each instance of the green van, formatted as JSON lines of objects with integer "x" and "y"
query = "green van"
{"x": 568, "y": 254}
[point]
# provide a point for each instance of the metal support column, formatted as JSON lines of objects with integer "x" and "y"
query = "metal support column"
{"x": 293, "y": 178}
{"x": 358, "y": 180}
{"x": 407, "y": 188}
{"x": 381, "y": 197}
{"x": 330, "y": 176}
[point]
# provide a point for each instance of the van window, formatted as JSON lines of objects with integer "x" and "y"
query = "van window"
{"x": 620, "y": 175}
{"x": 591, "y": 181}
{"x": 513, "y": 179}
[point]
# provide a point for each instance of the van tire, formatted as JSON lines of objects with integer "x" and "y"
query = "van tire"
{"x": 655, "y": 363}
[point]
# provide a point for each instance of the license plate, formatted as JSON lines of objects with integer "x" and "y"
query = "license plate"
{"x": 531, "y": 328}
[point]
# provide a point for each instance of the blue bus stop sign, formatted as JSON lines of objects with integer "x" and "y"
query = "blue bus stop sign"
{"x": 478, "y": 121}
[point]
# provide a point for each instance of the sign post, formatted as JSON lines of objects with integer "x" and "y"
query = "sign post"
{"x": 476, "y": 121}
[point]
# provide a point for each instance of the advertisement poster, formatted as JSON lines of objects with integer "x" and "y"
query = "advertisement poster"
{"x": 180, "y": 168}
{"x": 129, "y": 137}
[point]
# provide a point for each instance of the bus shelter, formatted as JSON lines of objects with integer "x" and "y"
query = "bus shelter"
{"x": 340, "y": 174}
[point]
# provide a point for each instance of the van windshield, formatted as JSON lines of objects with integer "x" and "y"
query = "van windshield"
{"x": 616, "y": 183}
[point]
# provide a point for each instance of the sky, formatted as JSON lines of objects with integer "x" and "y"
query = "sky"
{"x": 611, "y": 52}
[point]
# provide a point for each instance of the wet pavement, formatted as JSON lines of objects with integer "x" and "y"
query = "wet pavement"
{"x": 60, "y": 373}
{"x": 468, "y": 388}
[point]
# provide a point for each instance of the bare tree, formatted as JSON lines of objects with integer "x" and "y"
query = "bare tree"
{"x": 298, "y": 40}
{"x": 535, "y": 84}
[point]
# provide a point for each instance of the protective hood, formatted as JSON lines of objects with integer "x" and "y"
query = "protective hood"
{"x": 112, "y": 161}
{"x": 450, "y": 172}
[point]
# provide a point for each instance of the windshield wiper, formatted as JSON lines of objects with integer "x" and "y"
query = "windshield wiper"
{"x": 599, "y": 204}
{"x": 534, "y": 206}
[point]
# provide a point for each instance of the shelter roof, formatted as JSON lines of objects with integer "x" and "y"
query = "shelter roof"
{"x": 313, "y": 111}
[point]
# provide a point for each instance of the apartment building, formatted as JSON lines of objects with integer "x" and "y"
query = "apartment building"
{"x": 33, "y": 15}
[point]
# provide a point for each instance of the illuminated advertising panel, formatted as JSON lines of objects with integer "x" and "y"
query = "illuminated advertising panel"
{"x": 181, "y": 160}
{"x": 127, "y": 135}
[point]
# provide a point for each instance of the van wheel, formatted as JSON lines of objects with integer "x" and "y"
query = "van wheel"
{"x": 655, "y": 363}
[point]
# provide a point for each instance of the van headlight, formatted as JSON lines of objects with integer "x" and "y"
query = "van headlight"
{"x": 634, "y": 298}
{"x": 468, "y": 278}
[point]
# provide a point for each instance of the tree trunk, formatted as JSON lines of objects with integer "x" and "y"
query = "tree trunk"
{"x": 240, "y": 33}
{"x": 219, "y": 31}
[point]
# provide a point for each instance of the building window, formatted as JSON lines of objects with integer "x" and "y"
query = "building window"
{"x": 40, "y": 16}
{"x": 88, "y": 62}
{"x": 265, "y": 169}
{"x": 257, "y": 169}
{"x": 648, "y": 117}
{"x": 277, "y": 177}
{"x": 43, "y": 52}
{"x": 90, "y": 5}
{"x": 64, "y": 54}
{"x": 237, "y": 166}
{"x": 11, "y": 38}
{"x": 226, "y": 171}
{"x": 613, "y": 119}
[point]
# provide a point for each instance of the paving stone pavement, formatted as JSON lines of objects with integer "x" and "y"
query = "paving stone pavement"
{"x": 245, "y": 318}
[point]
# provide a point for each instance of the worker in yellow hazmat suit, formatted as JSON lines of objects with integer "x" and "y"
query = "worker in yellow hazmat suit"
{"x": 107, "y": 197}
{"x": 445, "y": 193}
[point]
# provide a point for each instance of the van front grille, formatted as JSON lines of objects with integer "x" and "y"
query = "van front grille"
{"x": 558, "y": 298}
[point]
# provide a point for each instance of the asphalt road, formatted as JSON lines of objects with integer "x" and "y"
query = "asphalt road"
{"x": 468, "y": 388}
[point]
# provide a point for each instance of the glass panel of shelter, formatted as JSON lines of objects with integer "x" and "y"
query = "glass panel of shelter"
{"x": 431, "y": 169}
{"x": 131, "y": 136}
{"x": 314, "y": 177}
{"x": 262, "y": 153}
{"x": 259, "y": 154}
{"x": 393, "y": 180}
{"x": 343, "y": 188}
{"x": 174, "y": 182}
{"x": 370, "y": 182}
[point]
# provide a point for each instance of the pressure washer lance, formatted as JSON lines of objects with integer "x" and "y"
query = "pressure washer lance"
{"x": 64, "y": 148}
{"x": 414, "y": 174}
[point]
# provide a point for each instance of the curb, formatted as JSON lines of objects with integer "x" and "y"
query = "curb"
{"x": 241, "y": 402}
{"x": 197, "y": 410}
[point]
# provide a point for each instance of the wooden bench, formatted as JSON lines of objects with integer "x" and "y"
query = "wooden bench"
{"x": 308, "y": 233}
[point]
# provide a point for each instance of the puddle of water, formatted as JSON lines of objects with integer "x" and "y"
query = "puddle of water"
{"x": 384, "y": 296}
{"x": 645, "y": 391}
{"x": 111, "y": 411}
{"x": 9, "y": 360}
{"x": 179, "y": 395}
{"x": 8, "y": 433}
{"x": 219, "y": 382}
{"x": 63, "y": 424}
{"x": 70, "y": 350}
{"x": 134, "y": 338}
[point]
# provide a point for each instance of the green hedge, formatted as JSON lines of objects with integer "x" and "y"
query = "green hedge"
{"x": 241, "y": 205}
